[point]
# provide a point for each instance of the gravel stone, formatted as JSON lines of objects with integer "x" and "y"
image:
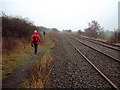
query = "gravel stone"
{"x": 71, "y": 70}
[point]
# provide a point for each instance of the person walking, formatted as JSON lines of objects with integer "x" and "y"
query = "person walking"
{"x": 44, "y": 33}
{"x": 35, "y": 39}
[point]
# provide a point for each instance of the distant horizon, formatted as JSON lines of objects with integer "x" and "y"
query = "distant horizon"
{"x": 65, "y": 14}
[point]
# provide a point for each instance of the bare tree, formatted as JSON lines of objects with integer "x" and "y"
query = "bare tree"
{"x": 93, "y": 30}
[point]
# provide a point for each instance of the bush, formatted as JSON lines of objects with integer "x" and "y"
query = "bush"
{"x": 8, "y": 45}
{"x": 93, "y": 30}
{"x": 116, "y": 37}
{"x": 15, "y": 29}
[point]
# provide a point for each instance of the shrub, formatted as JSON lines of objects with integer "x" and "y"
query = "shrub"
{"x": 93, "y": 30}
{"x": 15, "y": 29}
{"x": 116, "y": 37}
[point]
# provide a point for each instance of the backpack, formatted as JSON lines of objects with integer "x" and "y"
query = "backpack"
{"x": 35, "y": 39}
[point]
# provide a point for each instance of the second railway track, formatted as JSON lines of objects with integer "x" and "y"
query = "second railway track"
{"x": 116, "y": 48}
{"x": 104, "y": 44}
{"x": 106, "y": 51}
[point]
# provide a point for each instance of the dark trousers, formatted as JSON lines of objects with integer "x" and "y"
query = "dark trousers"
{"x": 44, "y": 34}
{"x": 35, "y": 46}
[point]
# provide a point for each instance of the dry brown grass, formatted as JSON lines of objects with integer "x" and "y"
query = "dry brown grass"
{"x": 54, "y": 37}
{"x": 118, "y": 44}
{"x": 38, "y": 73}
{"x": 90, "y": 37}
{"x": 43, "y": 41}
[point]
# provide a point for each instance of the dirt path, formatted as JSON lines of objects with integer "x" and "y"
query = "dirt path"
{"x": 19, "y": 75}
{"x": 70, "y": 69}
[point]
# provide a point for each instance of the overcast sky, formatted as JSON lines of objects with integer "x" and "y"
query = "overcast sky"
{"x": 65, "y": 14}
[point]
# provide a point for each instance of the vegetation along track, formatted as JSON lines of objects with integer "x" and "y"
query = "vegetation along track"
{"x": 109, "y": 67}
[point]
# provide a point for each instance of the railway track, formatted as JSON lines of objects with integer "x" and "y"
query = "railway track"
{"x": 97, "y": 66}
{"x": 101, "y": 43}
{"x": 105, "y": 44}
{"x": 114, "y": 58}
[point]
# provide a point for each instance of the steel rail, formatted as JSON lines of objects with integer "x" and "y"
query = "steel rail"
{"x": 102, "y": 74}
{"x": 90, "y": 40}
{"x": 96, "y": 49}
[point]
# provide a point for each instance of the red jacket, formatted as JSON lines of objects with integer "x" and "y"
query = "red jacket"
{"x": 38, "y": 37}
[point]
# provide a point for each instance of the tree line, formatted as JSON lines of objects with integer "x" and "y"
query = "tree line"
{"x": 96, "y": 31}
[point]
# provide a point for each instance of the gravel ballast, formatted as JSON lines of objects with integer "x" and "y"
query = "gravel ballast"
{"x": 71, "y": 70}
